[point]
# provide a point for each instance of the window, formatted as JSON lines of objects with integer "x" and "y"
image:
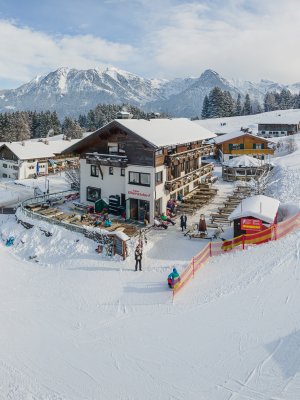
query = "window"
{"x": 4, "y": 165}
{"x": 113, "y": 148}
{"x": 139, "y": 178}
{"x": 121, "y": 147}
{"x": 111, "y": 170}
{"x": 93, "y": 194}
{"x": 94, "y": 170}
{"x": 122, "y": 171}
{"x": 4, "y": 175}
{"x": 145, "y": 179}
{"x": 158, "y": 177}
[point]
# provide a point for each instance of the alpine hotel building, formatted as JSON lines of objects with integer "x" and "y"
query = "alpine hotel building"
{"x": 138, "y": 165}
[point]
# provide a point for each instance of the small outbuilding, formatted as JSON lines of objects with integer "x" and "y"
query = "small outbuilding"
{"x": 254, "y": 214}
{"x": 243, "y": 168}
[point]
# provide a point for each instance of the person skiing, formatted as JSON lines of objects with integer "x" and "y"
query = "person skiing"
{"x": 183, "y": 219}
{"x": 173, "y": 278}
{"x": 138, "y": 254}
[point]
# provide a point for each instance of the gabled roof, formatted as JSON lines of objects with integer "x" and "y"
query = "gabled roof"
{"x": 260, "y": 206}
{"x": 36, "y": 150}
{"x": 163, "y": 131}
{"x": 157, "y": 132}
{"x": 234, "y": 135}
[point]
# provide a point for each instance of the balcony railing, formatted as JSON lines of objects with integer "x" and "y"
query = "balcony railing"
{"x": 201, "y": 151}
{"x": 188, "y": 178}
{"x": 107, "y": 159}
{"x": 251, "y": 151}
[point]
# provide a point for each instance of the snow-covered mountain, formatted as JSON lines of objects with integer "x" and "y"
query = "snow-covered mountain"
{"x": 71, "y": 91}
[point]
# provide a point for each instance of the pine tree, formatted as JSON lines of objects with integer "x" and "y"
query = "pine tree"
{"x": 238, "y": 108}
{"x": 205, "y": 108}
{"x": 229, "y": 105}
{"x": 270, "y": 102}
{"x": 286, "y": 100}
{"x": 215, "y": 103}
{"x": 71, "y": 129}
{"x": 247, "y": 109}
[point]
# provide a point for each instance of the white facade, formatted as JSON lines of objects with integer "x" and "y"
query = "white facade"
{"x": 270, "y": 134}
{"x": 22, "y": 169}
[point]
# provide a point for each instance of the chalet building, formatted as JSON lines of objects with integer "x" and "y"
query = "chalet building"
{"x": 138, "y": 165}
{"x": 22, "y": 160}
{"x": 243, "y": 143}
{"x": 279, "y": 125}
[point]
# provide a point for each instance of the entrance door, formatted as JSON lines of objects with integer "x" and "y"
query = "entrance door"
{"x": 134, "y": 209}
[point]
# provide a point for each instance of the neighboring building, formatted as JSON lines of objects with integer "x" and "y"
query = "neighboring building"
{"x": 27, "y": 159}
{"x": 279, "y": 125}
{"x": 124, "y": 115}
{"x": 137, "y": 165}
{"x": 243, "y": 168}
{"x": 243, "y": 143}
{"x": 254, "y": 214}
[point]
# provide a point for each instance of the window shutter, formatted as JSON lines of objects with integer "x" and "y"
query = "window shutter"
{"x": 230, "y": 146}
{"x": 254, "y": 145}
{"x": 242, "y": 146}
{"x": 262, "y": 145}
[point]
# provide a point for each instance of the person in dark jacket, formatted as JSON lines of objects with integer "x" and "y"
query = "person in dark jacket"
{"x": 183, "y": 220}
{"x": 138, "y": 254}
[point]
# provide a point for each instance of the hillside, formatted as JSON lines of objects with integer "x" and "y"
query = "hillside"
{"x": 75, "y": 325}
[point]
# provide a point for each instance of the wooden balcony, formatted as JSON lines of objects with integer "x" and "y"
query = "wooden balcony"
{"x": 191, "y": 177}
{"x": 111, "y": 160}
{"x": 251, "y": 151}
{"x": 197, "y": 152}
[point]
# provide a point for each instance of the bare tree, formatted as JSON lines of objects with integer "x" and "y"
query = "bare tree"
{"x": 262, "y": 181}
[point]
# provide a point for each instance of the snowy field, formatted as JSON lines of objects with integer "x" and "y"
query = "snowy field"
{"x": 13, "y": 192}
{"x": 78, "y": 326}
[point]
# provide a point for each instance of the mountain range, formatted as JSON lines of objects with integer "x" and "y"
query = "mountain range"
{"x": 71, "y": 92}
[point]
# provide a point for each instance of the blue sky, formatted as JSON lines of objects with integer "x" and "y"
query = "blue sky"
{"x": 164, "y": 39}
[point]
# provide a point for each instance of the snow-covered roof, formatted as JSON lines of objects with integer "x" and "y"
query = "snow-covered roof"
{"x": 163, "y": 132}
{"x": 243, "y": 161}
{"x": 234, "y": 135}
{"x": 281, "y": 118}
{"x": 32, "y": 150}
{"x": 260, "y": 206}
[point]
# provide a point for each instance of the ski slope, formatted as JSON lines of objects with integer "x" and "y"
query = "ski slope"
{"x": 78, "y": 326}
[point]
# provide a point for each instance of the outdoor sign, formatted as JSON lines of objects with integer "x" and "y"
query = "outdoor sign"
{"x": 137, "y": 193}
{"x": 251, "y": 224}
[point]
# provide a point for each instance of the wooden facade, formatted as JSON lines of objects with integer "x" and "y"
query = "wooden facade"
{"x": 244, "y": 144}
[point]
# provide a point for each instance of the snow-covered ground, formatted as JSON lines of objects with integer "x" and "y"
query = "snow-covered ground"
{"x": 76, "y": 325}
{"x": 234, "y": 124}
{"x": 13, "y": 192}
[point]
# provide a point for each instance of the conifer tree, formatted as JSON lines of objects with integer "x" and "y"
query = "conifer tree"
{"x": 247, "y": 109}
{"x": 238, "y": 108}
{"x": 205, "y": 108}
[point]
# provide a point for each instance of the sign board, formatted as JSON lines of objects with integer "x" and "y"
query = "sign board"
{"x": 251, "y": 224}
{"x": 137, "y": 193}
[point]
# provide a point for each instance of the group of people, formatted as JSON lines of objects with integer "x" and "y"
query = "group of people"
{"x": 100, "y": 220}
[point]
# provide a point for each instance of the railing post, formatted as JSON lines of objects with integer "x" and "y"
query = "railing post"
{"x": 243, "y": 242}
{"x": 210, "y": 252}
{"x": 193, "y": 267}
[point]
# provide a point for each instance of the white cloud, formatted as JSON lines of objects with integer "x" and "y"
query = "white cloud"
{"x": 25, "y": 52}
{"x": 242, "y": 39}
{"x": 231, "y": 38}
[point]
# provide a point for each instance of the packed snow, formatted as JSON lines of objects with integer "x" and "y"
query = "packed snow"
{"x": 76, "y": 325}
